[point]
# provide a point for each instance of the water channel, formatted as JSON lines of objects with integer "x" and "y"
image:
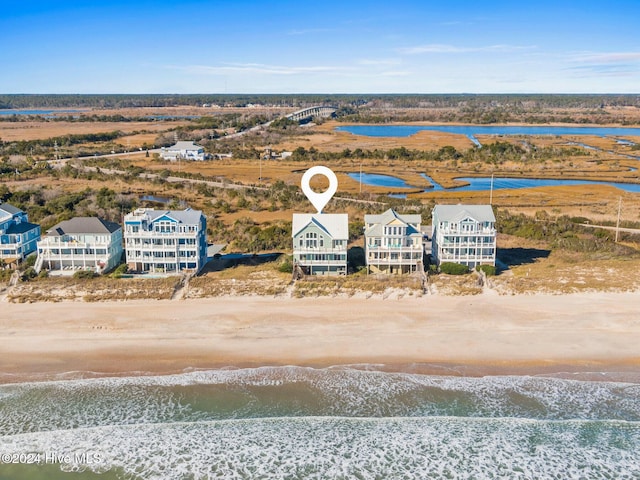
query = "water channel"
{"x": 470, "y": 131}
{"x": 479, "y": 184}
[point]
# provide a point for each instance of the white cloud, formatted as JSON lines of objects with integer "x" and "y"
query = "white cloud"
{"x": 398, "y": 73}
{"x": 610, "y": 57}
{"x": 384, "y": 62}
{"x": 443, "y": 48}
{"x": 605, "y": 64}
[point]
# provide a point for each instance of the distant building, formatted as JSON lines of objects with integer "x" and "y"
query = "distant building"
{"x": 18, "y": 237}
{"x": 166, "y": 241}
{"x": 270, "y": 154}
{"x": 464, "y": 234}
{"x": 183, "y": 151}
{"x": 82, "y": 243}
{"x": 320, "y": 243}
{"x": 393, "y": 242}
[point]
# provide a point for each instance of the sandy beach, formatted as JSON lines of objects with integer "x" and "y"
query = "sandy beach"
{"x": 457, "y": 335}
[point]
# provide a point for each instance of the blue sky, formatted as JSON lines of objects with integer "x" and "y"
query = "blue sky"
{"x": 320, "y": 46}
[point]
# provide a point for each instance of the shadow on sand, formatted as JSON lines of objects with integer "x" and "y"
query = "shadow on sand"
{"x": 512, "y": 257}
{"x": 230, "y": 260}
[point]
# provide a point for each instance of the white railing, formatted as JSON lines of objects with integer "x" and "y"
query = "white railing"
{"x": 466, "y": 257}
{"x": 49, "y": 243}
{"x": 305, "y": 263}
{"x": 154, "y": 234}
{"x": 335, "y": 251}
{"x": 456, "y": 231}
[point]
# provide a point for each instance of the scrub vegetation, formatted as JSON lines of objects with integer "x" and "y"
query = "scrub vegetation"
{"x": 249, "y": 198}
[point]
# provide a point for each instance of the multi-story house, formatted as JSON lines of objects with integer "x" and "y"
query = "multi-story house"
{"x": 393, "y": 242}
{"x": 464, "y": 234}
{"x": 18, "y": 237}
{"x": 82, "y": 243}
{"x": 320, "y": 243}
{"x": 183, "y": 151}
{"x": 165, "y": 241}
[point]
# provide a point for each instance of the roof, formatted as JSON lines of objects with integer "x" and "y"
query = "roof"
{"x": 10, "y": 209}
{"x": 22, "y": 227}
{"x": 188, "y": 216}
{"x": 452, "y": 213}
{"x": 83, "y": 225}
{"x": 377, "y": 222}
{"x": 335, "y": 224}
{"x": 184, "y": 146}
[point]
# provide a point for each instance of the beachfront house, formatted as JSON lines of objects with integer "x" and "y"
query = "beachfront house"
{"x": 393, "y": 242}
{"x": 82, "y": 243}
{"x": 320, "y": 243}
{"x": 18, "y": 237}
{"x": 182, "y": 151}
{"x": 464, "y": 234}
{"x": 165, "y": 241}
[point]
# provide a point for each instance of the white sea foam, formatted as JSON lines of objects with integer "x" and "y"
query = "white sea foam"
{"x": 366, "y": 448}
{"x": 284, "y": 391}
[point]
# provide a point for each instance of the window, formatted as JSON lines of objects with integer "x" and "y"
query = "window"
{"x": 311, "y": 240}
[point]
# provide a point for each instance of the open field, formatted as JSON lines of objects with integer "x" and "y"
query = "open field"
{"x": 33, "y": 130}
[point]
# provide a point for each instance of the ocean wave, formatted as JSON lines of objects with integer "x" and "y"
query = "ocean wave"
{"x": 339, "y": 447}
{"x": 304, "y": 392}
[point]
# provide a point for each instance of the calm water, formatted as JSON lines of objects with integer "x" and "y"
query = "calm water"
{"x": 484, "y": 183}
{"x": 36, "y": 112}
{"x": 335, "y": 423}
{"x": 472, "y": 130}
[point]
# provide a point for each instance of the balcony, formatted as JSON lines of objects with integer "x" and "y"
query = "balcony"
{"x": 49, "y": 243}
{"x": 457, "y": 232}
{"x": 336, "y": 251}
{"x": 456, "y": 258}
{"x": 154, "y": 234}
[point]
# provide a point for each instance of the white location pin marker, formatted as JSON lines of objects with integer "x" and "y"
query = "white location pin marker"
{"x": 319, "y": 200}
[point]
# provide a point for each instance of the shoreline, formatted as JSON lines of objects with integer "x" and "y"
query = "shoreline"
{"x": 470, "y": 336}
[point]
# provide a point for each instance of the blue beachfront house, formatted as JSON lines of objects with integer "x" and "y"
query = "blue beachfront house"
{"x": 18, "y": 237}
{"x": 165, "y": 241}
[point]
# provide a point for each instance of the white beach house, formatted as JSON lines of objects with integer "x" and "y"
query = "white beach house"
{"x": 82, "y": 243}
{"x": 320, "y": 242}
{"x": 182, "y": 151}
{"x": 393, "y": 242}
{"x": 18, "y": 237}
{"x": 464, "y": 234}
{"x": 165, "y": 241}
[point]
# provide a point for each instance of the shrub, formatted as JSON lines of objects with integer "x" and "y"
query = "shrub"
{"x": 120, "y": 270}
{"x": 85, "y": 274}
{"x": 489, "y": 270}
{"x": 30, "y": 261}
{"x": 28, "y": 274}
{"x": 286, "y": 266}
{"x": 451, "y": 268}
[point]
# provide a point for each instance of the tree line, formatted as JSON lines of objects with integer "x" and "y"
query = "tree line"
{"x": 524, "y": 101}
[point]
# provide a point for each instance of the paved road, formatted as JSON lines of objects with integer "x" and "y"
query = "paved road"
{"x": 606, "y": 227}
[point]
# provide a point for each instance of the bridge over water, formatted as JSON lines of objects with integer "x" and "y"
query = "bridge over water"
{"x": 310, "y": 112}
